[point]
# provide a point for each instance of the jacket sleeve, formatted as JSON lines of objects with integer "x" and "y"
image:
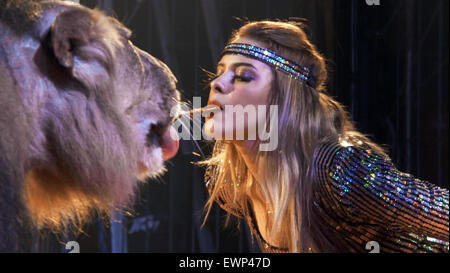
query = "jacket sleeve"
{"x": 365, "y": 198}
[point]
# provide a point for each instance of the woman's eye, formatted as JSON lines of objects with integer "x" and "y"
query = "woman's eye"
{"x": 242, "y": 78}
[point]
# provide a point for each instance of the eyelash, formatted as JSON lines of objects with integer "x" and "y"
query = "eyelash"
{"x": 235, "y": 77}
{"x": 242, "y": 78}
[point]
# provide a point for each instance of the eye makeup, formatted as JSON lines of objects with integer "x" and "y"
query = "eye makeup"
{"x": 242, "y": 72}
{"x": 243, "y": 76}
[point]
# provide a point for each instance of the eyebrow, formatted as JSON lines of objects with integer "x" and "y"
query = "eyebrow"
{"x": 235, "y": 65}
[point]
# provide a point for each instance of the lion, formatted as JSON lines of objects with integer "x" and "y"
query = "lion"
{"x": 85, "y": 115}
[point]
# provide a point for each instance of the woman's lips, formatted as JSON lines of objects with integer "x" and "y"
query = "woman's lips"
{"x": 210, "y": 109}
{"x": 213, "y": 102}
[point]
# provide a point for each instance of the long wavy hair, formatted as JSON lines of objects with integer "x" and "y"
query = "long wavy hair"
{"x": 306, "y": 117}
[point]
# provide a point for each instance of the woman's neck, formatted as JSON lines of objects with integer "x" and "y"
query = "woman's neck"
{"x": 248, "y": 149}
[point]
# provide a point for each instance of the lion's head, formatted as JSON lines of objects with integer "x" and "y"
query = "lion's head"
{"x": 92, "y": 112}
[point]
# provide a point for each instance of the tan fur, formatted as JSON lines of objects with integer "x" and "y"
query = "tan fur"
{"x": 88, "y": 98}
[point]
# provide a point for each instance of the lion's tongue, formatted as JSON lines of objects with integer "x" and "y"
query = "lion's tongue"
{"x": 168, "y": 144}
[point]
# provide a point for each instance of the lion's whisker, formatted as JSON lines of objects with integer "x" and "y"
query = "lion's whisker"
{"x": 190, "y": 113}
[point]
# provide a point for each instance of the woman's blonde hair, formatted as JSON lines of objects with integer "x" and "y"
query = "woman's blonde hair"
{"x": 306, "y": 118}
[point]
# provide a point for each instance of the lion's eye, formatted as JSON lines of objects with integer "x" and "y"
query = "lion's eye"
{"x": 129, "y": 110}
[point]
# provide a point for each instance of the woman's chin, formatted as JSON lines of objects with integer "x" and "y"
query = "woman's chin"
{"x": 209, "y": 129}
{"x": 226, "y": 133}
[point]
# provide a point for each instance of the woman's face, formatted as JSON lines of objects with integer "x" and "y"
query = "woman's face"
{"x": 242, "y": 85}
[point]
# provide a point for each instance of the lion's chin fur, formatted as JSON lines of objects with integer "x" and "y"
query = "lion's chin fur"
{"x": 58, "y": 202}
{"x": 152, "y": 165}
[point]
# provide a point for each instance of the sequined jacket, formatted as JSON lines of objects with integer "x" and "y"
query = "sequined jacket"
{"x": 365, "y": 201}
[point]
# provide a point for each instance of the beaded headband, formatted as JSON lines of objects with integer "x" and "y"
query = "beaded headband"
{"x": 271, "y": 58}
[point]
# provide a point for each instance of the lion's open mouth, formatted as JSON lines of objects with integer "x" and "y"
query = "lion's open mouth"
{"x": 163, "y": 136}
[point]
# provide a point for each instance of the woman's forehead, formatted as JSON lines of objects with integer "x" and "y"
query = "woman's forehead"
{"x": 229, "y": 60}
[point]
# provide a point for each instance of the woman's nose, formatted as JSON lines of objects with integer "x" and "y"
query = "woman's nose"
{"x": 219, "y": 86}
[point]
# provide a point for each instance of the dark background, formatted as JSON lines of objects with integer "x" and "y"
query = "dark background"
{"x": 389, "y": 67}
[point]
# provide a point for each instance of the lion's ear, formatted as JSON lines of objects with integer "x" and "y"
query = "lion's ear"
{"x": 71, "y": 30}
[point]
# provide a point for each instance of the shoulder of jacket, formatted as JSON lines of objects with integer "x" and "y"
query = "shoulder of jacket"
{"x": 327, "y": 153}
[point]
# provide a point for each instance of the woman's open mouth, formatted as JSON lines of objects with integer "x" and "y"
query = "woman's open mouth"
{"x": 211, "y": 108}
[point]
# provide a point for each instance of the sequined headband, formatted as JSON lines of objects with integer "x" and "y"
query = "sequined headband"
{"x": 269, "y": 57}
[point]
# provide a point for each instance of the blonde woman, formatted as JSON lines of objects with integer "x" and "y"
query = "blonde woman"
{"x": 326, "y": 187}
